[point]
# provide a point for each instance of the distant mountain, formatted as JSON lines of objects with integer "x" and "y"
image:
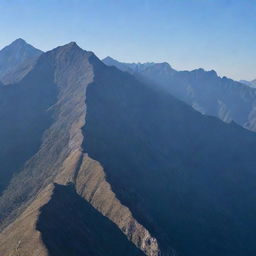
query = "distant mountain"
{"x": 249, "y": 83}
{"x": 16, "y": 60}
{"x": 254, "y": 82}
{"x": 127, "y": 67}
{"x": 148, "y": 67}
{"x": 203, "y": 90}
{"x": 95, "y": 162}
{"x": 147, "y": 71}
{"x": 245, "y": 82}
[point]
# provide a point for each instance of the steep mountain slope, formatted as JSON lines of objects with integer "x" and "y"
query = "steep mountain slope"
{"x": 16, "y": 60}
{"x": 52, "y": 153}
{"x": 188, "y": 178}
{"x": 203, "y": 90}
{"x": 114, "y": 166}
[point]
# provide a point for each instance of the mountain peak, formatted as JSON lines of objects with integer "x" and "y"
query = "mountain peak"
{"x": 67, "y": 47}
{"x": 71, "y": 44}
{"x": 202, "y": 71}
{"x": 108, "y": 58}
{"x": 19, "y": 41}
{"x": 16, "y": 56}
{"x": 20, "y": 44}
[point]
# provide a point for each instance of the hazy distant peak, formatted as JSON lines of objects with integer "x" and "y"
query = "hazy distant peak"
{"x": 209, "y": 73}
{"x": 139, "y": 67}
{"x": 16, "y": 59}
{"x": 164, "y": 65}
{"x": 248, "y": 83}
{"x": 245, "y": 82}
{"x": 20, "y": 44}
{"x": 108, "y": 58}
{"x": 253, "y": 82}
{"x": 19, "y": 41}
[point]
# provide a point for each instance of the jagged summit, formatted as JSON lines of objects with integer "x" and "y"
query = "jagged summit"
{"x": 204, "y": 90}
{"x": 66, "y": 47}
{"x": 108, "y": 58}
{"x": 72, "y": 48}
{"x": 200, "y": 72}
{"x": 71, "y": 45}
{"x": 135, "y": 68}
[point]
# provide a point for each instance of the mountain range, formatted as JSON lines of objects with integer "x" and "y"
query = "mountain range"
{"x": 249, "y": 83}
{"x": 204, "y": 90}
{"x": 103, "y": 160}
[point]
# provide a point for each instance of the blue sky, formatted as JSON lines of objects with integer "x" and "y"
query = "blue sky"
{"x": 212, "y": 34}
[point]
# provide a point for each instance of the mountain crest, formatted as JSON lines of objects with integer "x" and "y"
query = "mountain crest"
{"x": 19, "y": 41}
{"x": 16, "y": 60}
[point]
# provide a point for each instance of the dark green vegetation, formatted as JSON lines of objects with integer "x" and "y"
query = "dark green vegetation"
{"x": 188, "y": 178}
{"x": 70, "y": 226}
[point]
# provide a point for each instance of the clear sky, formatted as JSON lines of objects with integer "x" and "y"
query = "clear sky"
{"x": 212, "y": 34}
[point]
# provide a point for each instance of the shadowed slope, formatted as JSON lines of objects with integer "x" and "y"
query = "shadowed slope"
{"x": 26, "y": 108}
{"x": 24, "y": 115}
{"x": 70, "y": 226}
{"x": 188, "y": 178}
{"x": 60, "y": 159}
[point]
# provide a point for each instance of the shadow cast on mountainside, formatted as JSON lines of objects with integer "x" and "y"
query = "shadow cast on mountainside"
{"x": 70, "y": 226}
{"x": 182, "y": 174}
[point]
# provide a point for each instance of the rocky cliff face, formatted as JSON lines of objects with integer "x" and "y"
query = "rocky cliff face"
{"x": 203, "y": 90}
{"x": 97, "y": 162}
{"x": 16, "y": 60}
